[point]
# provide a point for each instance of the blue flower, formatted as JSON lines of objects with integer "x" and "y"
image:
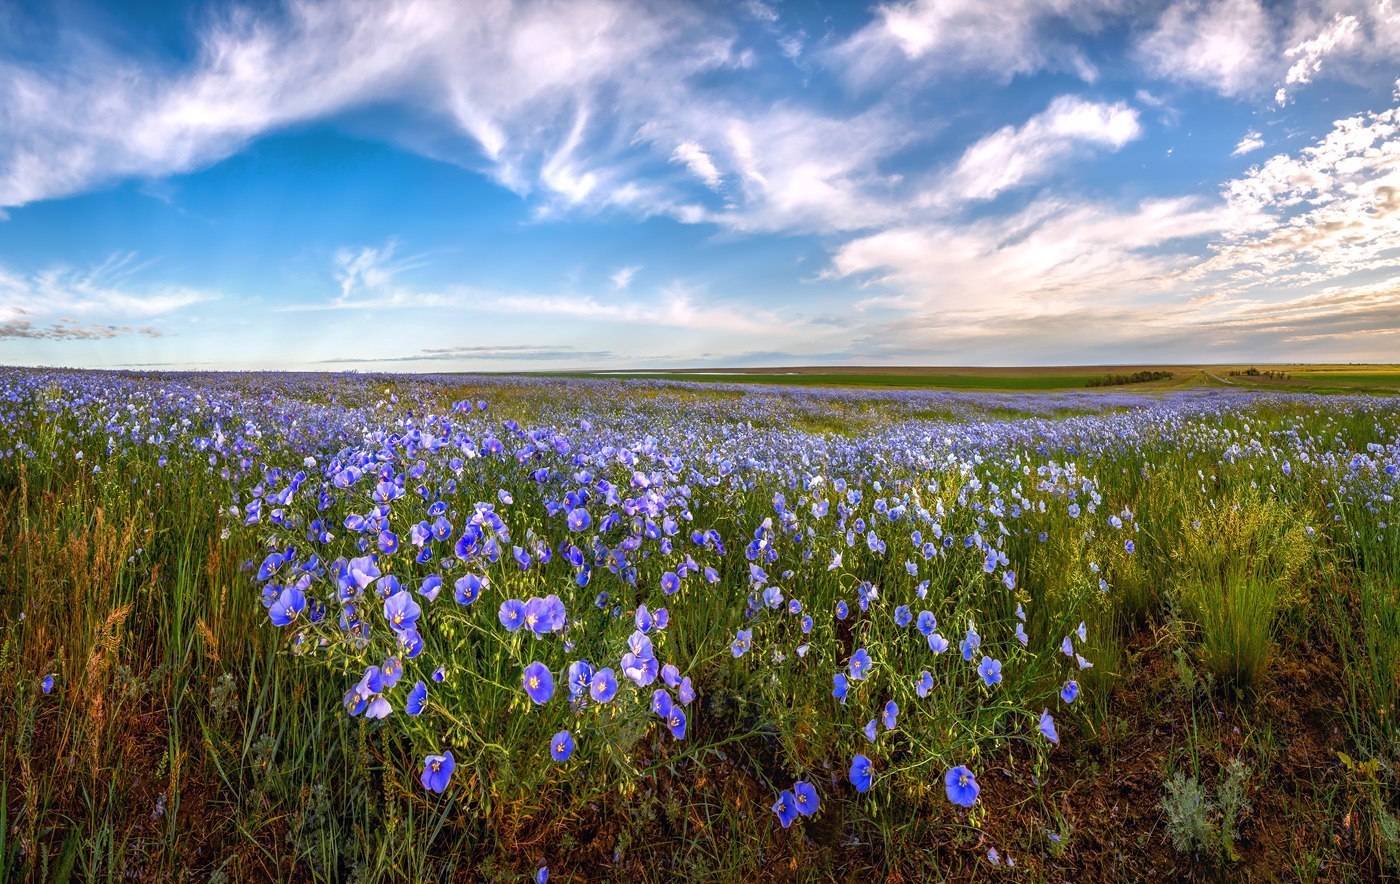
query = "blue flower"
{"x": 439, "y": 674}
{"x": 289, "y": 605}
{"x": 47, "y": 684}
{"x": 806, "y": 795}
{"x": 430, "y": 588}
{"x": 870, "y": 731}
{"x": 401, "y": 610}
{"x": 512, "y": 614}
{"x": 579, "y": 519}
{"x": 417, "y": 699}
{"x": 842, "y": 610}
{"x": 466, "y": 590}
{"x": 961, "y": 786}
{"x": 937, "y": 643}
{"x": 437, "y": 770}
{"x": 840, "y": 687}
{"x": 927, "y": 623}
{"x": 1047, "y": 727}
{"x": 539, "y": 682}
{"x": 859, "y": 664}
{"x": 902, "y": 616}
{"x": 891, "y": 715}
{"x": 786, "y": 808}
{"x": 580, "y": 674}
{"x": 861, "y": 773}
{"x": 1069, "y": 691}
{"x": 675, "y": 721}
{"x": 924, "y": 684}
{"x": 1021, "y": 634}
{"x": 743, "y": 640}
{"x": 990, "y": 670}
{"x": 603, "y": 686}
{"x": 562, "y": 746}
{"x": 970, "y": 644}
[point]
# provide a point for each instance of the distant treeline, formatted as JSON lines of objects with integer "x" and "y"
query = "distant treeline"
{"x": 1253, "y": 372}
{"x": 1137, "y": 377}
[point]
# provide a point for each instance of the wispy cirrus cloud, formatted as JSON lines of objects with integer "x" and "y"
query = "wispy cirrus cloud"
{"x": 70, "y": 330}
{"x": 1000, "y": 39}
{"x": 98, "y": 302}
{"x": 510, "y": 352}
{"x": 1015, "y": 155}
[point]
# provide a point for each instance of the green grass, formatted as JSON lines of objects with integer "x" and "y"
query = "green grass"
{"x": 184, "y": 736}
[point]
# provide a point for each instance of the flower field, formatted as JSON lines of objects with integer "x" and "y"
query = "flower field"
{"x": 499, "y": 628}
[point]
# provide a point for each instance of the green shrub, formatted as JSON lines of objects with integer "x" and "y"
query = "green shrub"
{"x": 1235, "y": 568}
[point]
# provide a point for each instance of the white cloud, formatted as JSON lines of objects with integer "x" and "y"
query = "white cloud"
{"x": 694, "y": 158}
{"x": 1226, "y": 45}
{"x": 1002, "y": 38}
{"x": 1331, "y": 210}
{"x": 622, "y": 279}
{"x": 1013, "y": 155}
{"x": 497, "y": 70}
{"x": 675, "y": 306}
{"x": 1251, "y": 142}
{"x": 1042, "y": 260}
{"x": 62, "y": 302}
{"x": 1339, "y": 33}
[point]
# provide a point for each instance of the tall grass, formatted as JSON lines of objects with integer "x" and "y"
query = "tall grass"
{"x": 184, "y": 733}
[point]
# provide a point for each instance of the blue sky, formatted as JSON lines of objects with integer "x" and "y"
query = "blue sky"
{"x": 421, "y": 185}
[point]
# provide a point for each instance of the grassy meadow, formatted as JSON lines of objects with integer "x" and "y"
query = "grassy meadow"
{"x": 247, "y": 616}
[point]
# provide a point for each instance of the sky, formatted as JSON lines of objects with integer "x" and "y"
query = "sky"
{"x": 425, "y": 185}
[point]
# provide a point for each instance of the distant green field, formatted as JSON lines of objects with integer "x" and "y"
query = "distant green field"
{"x": 893, "y": 379}
{"x": 1382, "y": 379}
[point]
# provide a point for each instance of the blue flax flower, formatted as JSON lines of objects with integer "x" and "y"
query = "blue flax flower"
{"x": 961, "y": 786}
{"x": 786, "y": 808}
{"x": 437, "y": 770}
{"x": 539, "y": 682}
{"x": 806, "y": 795}
{"x": 990, "y": 670}
{"x": 861, "y": 773}
{"x": 859, "y": 664}
{"x": 417, "y": 699}
{"x": 562, "y": 746}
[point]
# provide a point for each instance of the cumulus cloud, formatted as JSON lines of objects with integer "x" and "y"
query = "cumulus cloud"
{"x": 1329, "y": 211}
